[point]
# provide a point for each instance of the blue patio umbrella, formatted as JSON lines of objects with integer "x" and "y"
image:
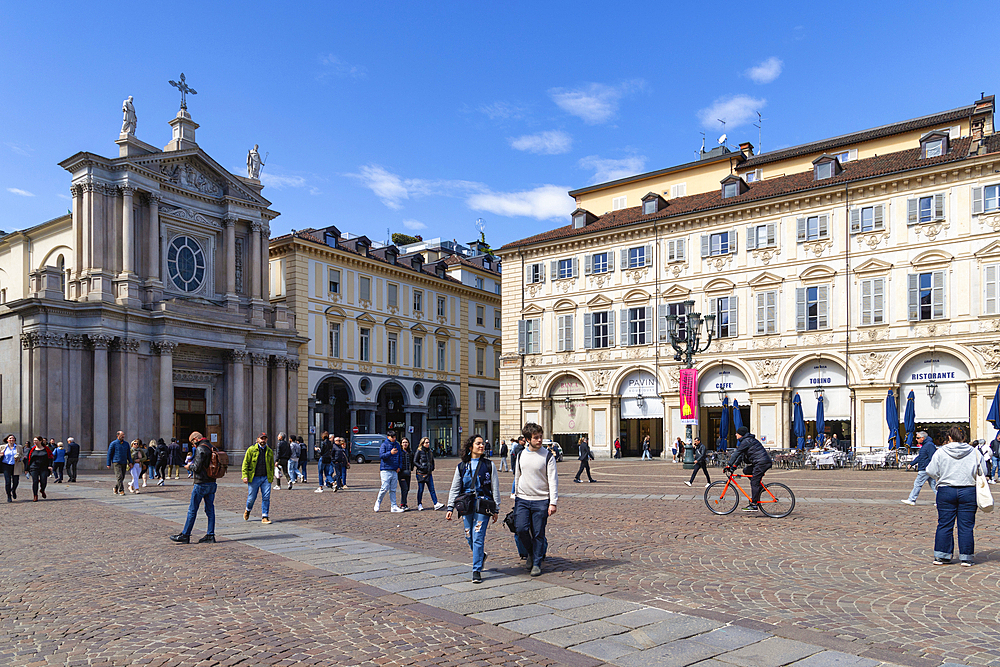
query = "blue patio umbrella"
{"x": 798, "y": 422}
{"x": 724, "y": 426}
{"x": 737, "y": 417}
{"x": 892, "y": 419}
{"x": 910, "y": 420}
{"x": 820, "y": 422}
{"x": 993, "y": 416}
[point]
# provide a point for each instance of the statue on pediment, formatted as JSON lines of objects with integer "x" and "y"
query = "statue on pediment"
{"x": 129, "y": 121}
{"x": 254, "y": 163}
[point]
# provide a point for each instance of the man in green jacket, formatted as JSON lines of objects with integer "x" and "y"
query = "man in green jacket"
{"x": 258, "y": 473}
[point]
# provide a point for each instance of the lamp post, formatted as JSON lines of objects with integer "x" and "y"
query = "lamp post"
{"x": 686, "y": 344}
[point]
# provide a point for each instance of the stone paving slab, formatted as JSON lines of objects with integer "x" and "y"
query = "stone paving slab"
{"x": 508, "y": 614}
{"x": 673, "y": 654}
{"x": 579, "y": 633}
{"x": 610, "y": 648}
{"x": 536, "y": 624}
{"x": 640, "y": 617}
{"x": 835, "y": 659}
{"x": 602, "y": 609}
{"x": 731, "y": 638}
{"x": 770, "y": 652}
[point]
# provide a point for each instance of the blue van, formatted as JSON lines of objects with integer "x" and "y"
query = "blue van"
{"x": 365, "y": 447}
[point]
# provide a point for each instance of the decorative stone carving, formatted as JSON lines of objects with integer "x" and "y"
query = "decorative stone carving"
{"x": 930, "y": 230}
{"x": 393, "y": 370}
{"x": 99, "y": 342}
{"x": 335, "y": 364}
{"x": 279, "y": 362}
{"x": 254, "y": 163}
{"x": 393, "y": 310}
{"x": 75, "y": 341}
{"x": 598, "y": 355}
{"x": 817, "y": 339}
{"x": 674, "y": 376}
{"x": 991, "y": 220}
{"x": 767, "y": 343}
{"x": 599, "y": 280}
{"x": 722, "y": 345}
{"x": 635, "y": 352}
{"x": 990, "y": 355}
{"x": 532, "y": 384}
{"x": 186, "y": 176}
{"x": 872, "y": 239}
{"x": 719, "y": 263}
{"x": 258, "y": 359}
{"x": 418, "y": 372}
{"x": 932, "y": 330}
{"x": 126, "y": 190}
{"x": 442, "y": 377}
{"x": 130, "y": 344}
{"x": 765, "y": 255}
{"x": 163, "y": 347}
{"x": 990, "y": 325}
{"x": 365, "y": 368}
{"x": 881, "y": 333}
{"x": 873, "y": 363}
{"x": 365, "y": 304}
{"x": 198, "y": 377}
{"x": 636, "y": 275}
{"x": 237, "y": 356}
{"x": 229, "y": 220}
{"x": 187, "y": 214}
{"x": 293, "y": 365}
{"x": 676, "y": 269}
{"x": 534, "y": 289}
{"x": 817, "y": 247}
{"x": 768, "y": 369}
{"x": 566, "y": 285}
{"x": 565, "y": 358}
{"x": 239, "y": 265}
{"x": 600, "y": 378}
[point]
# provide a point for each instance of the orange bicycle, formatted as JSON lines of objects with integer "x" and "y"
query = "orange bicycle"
{"x": 776, "y": 500}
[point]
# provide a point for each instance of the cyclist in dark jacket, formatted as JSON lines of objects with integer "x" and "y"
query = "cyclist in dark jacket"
{"x": 758, "y": 462}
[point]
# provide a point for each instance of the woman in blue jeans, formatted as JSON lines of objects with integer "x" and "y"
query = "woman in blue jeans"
{"x": 955, "y": 466}
{"x": 476, "y": 474}
{"x": 423, "y": 463}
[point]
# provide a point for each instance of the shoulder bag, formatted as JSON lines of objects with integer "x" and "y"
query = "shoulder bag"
{"x": 984, "y": 497}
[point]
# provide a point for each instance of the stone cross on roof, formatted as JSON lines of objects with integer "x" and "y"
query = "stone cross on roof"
{"x": 184, "y": 88}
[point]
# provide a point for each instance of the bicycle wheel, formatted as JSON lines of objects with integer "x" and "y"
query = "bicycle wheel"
{"x": 776, "y": 500}
{"x": 721, "y": 497}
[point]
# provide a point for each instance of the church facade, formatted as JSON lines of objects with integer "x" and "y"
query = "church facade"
{"x": 146, "y": 308}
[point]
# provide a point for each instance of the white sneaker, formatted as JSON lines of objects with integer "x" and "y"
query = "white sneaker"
{"x": 687, "y": 483}
{"x": 144, "y": 484}
{"x": 376, "y": 508}
{"x": 438, "y": 506}
{"x": 908, "y": 502}
{"x": 420, "y": 508}
{"x": 396, "y": 508}
{"x": 707, "y": 485}
{"x": 319, "y": 490}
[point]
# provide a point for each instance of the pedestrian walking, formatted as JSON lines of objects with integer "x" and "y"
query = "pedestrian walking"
{"x": 293, "y": 460}
{"x": 153, "y": 457}
{"x": 618, "y": 448}
{"x": 324, "y": 463}
{"x": 476, "y": 475}
{"x": 118, "y": 455}
{"x": 536, "y": 491}
{"x": 504, "y": 452}
{"x": 674, "y": 448}
{"x": 995, "y": 451}
{"x": 149, "y": 465}
{"x": 175, "y": 459}
{"x": 388, "y": 469}
{"x": 680, "y": 450}
{"x": 346, "y": 444}
{"x": 700, "y": 462}
{"x": 162, "y": 456}
{"x": 136, "y": 459}
{"x": 405, "y": 471}
{"x": 927, "y": 449}
{"x": 340, "y": 463}
{"x": 645, "y": 449}
{"x": 258, "y": 473}
{"x": 284, "y": 454}
{"x": 58, "y": 462}
{"x": 203, "y": 490}
{"x": 516, "y": 450}
{"x": 984, "y": 450}
{"x": 72, "y": 458}
{"x": 10, "y": 458}
{"x": 303, "y": 461}
{"x": 585, "y": 456}
{"x": 955, "y": 466}
{"x": 39, "y": 459}
{"x": 423, "y": 463}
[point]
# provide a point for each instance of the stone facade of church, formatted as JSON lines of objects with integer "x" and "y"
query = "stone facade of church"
{"x": 146, "y": 308}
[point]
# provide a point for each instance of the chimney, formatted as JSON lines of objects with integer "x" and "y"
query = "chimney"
{"x": 747, "y": 149}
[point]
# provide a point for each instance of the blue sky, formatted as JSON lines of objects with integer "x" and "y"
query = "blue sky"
{"x": 424, "y": 117}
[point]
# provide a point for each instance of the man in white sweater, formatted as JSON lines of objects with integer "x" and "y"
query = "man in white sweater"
{"x": 536, "y": 490}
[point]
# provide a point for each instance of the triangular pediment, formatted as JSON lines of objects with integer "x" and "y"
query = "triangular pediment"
{"x": 676, "y": 292}
{"x": 194, "y": 171}
{"x": 480, "y": 340}
{"x": 766, "y": 279}
{"x": 533, "y": 309}
{"x": 720, "y": 285}
{"x": 992, "y": 250}
{"x": 874, "y": 265}
{"x": 599, "y": 301}
{"x": 365, "y": 317}
{"x": 418, "y": 327}
{"x": 636, "y": 296}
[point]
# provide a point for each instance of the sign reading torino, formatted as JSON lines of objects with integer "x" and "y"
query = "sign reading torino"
{"x": 689, "y": 395}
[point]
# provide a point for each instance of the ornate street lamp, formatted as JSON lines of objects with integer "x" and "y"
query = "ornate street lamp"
{"x": 932, "y": 388}
{"x": 819, "y": 393}
{"x": 640, "y": 400}
{"x": 687, "y": 343}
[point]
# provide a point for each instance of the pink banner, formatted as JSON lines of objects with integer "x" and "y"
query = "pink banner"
{"x": 689, "y": 395}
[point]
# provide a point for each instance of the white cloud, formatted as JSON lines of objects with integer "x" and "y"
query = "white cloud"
{"x": 553, "y": 142}
{"x": 392, "y": 189}
{"x": 543, "y": 203}
{"x": 19, "y": 191}
{"x": 66, "y": 197}
{"x": 279, "y": 182}
{"x": 736, "y": 110}
{"x": 20, "y": 149}
{"x": 501, "y": 111}
{"x": 767, "y": 71}
{"x": 594, "y": 103}
{"x": 414, "y": 225}
{"x": 608, "y": 169}
{"x": 334, "y": 66}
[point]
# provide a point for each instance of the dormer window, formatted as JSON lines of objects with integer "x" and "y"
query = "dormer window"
{"x": 826, "y": 166}
{"x": 934, "y": 144}
{"x": 331, "y": 240}
{"x": 652, "y": 203}
{"x": 417, "y": 262}
{"x": 730, "y": 190}
{"x": 487, "y": 263}
{"x": 440, "y": 269}
{"x": 361, "y": 245}
{"x": 390, "y": 254}
{"x": 733, "y": 186}
{"x": 582, "y": 218}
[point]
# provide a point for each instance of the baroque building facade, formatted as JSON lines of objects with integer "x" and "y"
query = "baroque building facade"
{"x": 838, "y": 270}
{"x": 144, "y": 309}
{"x": 404, "y": 339}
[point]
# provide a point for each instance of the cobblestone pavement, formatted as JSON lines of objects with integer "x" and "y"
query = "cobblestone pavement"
{"x": 849, "y": 570}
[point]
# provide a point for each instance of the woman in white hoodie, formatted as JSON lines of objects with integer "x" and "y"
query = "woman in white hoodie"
{"x": 954, "y": 466}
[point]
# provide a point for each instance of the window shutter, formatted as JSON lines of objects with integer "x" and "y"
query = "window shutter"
{"x": 824, "y": 226}
{"x": 866, "y": 302}
{"x": 671, "y": 250}
{"x": 800, "y": 229}
{"x": 772, "y": 312}
{"x": 937, "y": 294}
{"x": 661, "y": 323}
{"x": 853, "y": 154}
{"x": 822, "y": 307}
{"x": 772, "y": 234}
{"x": 611, "y": 328}
{"x": 536, "y": 348}
{"x": 541, "y": 272}
{"x": 611, "y": 261}
{"x": 704, "y": 245}
{"x": 560, "y": 328}
{"x": 913, "y": 297}
{"x": 732, "y": 240}
{"x": 751, "y": 238}
{"x": 649, "y": 324}
{"x": 520, "y": 336}
{"x": 567, "y": 333}
{"x": 624, "y": 258}
{"x": 991, "y": 289}
{"x": 977, "y": 201}
{"x": 800, "y": 308}
{"x": 855, "y": 220}
{"x": 576, "y": 267}
{"x": 734, "y": 323}
{"x": 527, "y": 274}
{"x": 878, "y": 300}
{"x": 649, "y": 255}
{"x": 554, "y": 269}
{"x": 587, "y": 264}
{"x": 624, "y": 321}
{"x": 879, "y": 217}
{"x": 911, "y": 211}
{"x": 938, "y": 206}
{"x": 761, "y": 312}
{"x": 680, "y": 249}
{"x": 713, "y": 310}
{"x": 588, "y": 331}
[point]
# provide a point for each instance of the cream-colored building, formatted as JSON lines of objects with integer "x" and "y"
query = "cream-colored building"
{"x": 404, "y": 339}
{"x": 857, "y": 265}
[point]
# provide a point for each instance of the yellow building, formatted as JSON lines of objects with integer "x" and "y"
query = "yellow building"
{"x": 403, "y": 339}
{"x": 853, "y": 265}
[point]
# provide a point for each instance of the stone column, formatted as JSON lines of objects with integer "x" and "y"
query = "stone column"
{"x": 154, "y": 236}
{"x": 280, "y": 365}
{"x": 74, "y": 378}
{"x": 128, "y": 231}
{"x": 100, "y": 344}
{"x": 354, "y": 418}
{"x": 255, "y": 268}
{"x": 259, "y": 407}
{"x": 236, "y": 423}
{"x": 229, "y": 222}
{"x": 292, "y": 412}
{"x": 130, "y": 386}
{"x": 76, "y": 191}
{"x": 265, "y": 265}
{"x": 166, "y": 350}
{"x": 456, "y": 437}
{"x": 37, "y": 378}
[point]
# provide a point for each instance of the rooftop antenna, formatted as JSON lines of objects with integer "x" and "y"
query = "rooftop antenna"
{"x": 702, "y": 141}
{"x": 759, "y": 124}
{"x": 388, "y": 237}
{"x": 722, "y": 139}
